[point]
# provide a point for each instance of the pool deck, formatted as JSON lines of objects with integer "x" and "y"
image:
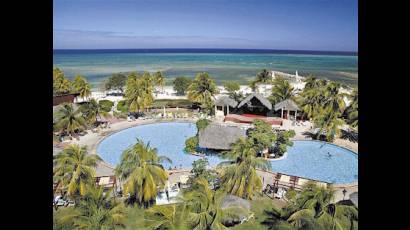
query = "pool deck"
{"x": 91, "y": 140}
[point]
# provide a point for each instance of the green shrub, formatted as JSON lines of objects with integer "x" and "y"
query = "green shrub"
{"x": 120, "y": 114}
{"x": 106, "y": 105}
{"x": 191, "y": 144}
{"x": 181, "y": 84}
{"x": 202, "y": 124}
{"x": 122, "y": 106}
{"x": 172, "y": 103}
{"x": 283, "y": 141}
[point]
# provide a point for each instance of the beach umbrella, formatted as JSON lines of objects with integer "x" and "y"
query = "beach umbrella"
{"x": 164, "y": 110}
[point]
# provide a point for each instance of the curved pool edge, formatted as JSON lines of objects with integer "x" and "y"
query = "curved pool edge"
{"x": 303, "y": 139}
{"x": 94, "y": 146}
{"x": 148, "y": 122}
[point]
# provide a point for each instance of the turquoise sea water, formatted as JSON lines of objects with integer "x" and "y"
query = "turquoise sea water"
{"x": 309, "y": 159}
{"x": 222, "y": 65}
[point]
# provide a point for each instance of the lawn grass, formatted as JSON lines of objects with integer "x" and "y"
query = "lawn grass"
{"x": 171, "y": 103}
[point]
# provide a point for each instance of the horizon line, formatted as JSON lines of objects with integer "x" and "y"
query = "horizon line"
{"x": 244, "y": 49}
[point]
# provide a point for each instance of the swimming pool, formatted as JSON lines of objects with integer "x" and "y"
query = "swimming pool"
{"x": 310, "y": 159}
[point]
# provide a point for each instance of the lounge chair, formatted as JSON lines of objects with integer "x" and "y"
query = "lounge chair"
{"x": 293, "y": 181}
{"x": 276, "y": 179}
{"x": 302, "y": 182}
{"x": 284, "y": 180}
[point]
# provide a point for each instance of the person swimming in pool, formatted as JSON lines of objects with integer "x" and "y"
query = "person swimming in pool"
{"x": 329, "y": 155}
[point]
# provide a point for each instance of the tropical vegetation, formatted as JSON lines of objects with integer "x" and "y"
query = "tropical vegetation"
{"x": 141, "y": 173}
{"x": 116, "y": 82}
{"x": 199, "y": 170}
{"x": 312, "y": 208}
{"x": 203, "y": 207}
{"x": 61, "y": 85}
{"x": 282, "y": 142}
{"x": 238, "y": 175}
{"x": 81, "y": 86}
{"x": 263, "y": 77}
{"x": 74, "y": 170}
{"x": 352, "y": 110}
{"x": 203, "y": 90}
{"x": 96, "y": 210}
{"x": 232, "y": 87}
{"x": 69, "y": 120}
{"x": 181, "y": 84}
{"x": 261, "y": 136}
{"x": 324, "y": 103}
{"x": 281, "y": 90}
{"x": 106, "y": 105}
{"x": 159, "y": 79}
{"x": 139, "y": 91}
{"x": 191, "y": 144}
{"x": 166, "y": 217}
{"x": 93, "y": 111}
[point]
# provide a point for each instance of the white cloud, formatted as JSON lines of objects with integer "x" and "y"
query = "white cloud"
{"x": 78, "y": 39}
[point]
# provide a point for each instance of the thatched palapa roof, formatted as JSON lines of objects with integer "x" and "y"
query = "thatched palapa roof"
{"x": 219, "y": 137}
{"x": 258, "y": 96}
{"x": 225, "y": 100}
{"x": 286, "y": 105}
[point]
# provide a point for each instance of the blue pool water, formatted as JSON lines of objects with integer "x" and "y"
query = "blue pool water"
{"x": 308, "y": 159}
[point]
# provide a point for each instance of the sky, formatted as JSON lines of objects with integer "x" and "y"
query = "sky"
{"x": 329, "y": 25}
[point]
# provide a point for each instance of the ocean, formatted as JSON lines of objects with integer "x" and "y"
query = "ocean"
{"x": 222, "y": 64}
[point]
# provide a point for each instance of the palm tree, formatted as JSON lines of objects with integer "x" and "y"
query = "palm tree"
{"x": 277, "y": 220}
{"x": 239, "y": 177}
{"x": 82, "y": 87}
{"x": 139, "y": 91}
{"x": 281, "y": 90}
{"x": 96, "y": 210}
{"x": 311, "y": 101}
{"x": 312, "y": 83}
{"x": 204, "y": 206}
{"x": 160, "y": 80}
{"x": 166, "y": 217}
{"x": 74, "y": 169}
{"x": 334, "y": 99}
{"x": 142, "y": 173}
{"x": 69, "y": 120}
{"x": 352, "y": 110}
{"x": 313, "y": 96}
{"x": 313, "y": 209}
{"x": 92, "y": 111}
{"x": 314, "y": 205}
{"x": 61, "y": 84}
{"x": 263, "y": 77}
{"x": 328, "y": 123}
{"x": 202, "y": 90}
